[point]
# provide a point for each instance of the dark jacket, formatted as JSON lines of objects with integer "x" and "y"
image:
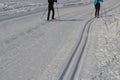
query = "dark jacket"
{"x": 52, "y": 1}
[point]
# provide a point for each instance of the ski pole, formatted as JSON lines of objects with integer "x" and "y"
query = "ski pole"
{"x": 44, "y": 13}
{"x": 57, "y": 11}
{"x": 104, "y": 12}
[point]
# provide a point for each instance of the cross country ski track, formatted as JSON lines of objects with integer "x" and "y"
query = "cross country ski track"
{"x": 70, "y": 70}
{"x": 72, "y": 65}
{"x": 33, "y": 35}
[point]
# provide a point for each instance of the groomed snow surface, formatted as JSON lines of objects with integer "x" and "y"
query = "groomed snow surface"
{"x": 33, "y": 49}
{"x": 102, "y": 61}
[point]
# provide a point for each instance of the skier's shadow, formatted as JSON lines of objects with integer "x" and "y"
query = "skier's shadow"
{"x": 70, "y": 20}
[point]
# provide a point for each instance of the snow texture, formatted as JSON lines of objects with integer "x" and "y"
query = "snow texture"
{"x": 103, "y": 52}
{"x": 33, "y": 49}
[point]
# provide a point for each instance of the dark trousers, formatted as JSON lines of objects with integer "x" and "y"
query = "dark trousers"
{"x": 97, "y": 9}
{"x": 50, "y": 8}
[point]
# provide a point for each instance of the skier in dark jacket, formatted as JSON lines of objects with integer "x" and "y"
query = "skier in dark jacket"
{"x": 51, "y": 8}
{"x": 97, "y": 7}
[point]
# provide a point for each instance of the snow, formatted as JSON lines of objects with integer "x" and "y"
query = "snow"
{"x": 14, "y": 8}
{"x": 103, "y": 55}
{"x": 33, "y": 49}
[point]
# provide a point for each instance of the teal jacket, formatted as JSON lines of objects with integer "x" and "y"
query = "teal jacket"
{"x": 97, "y": 1}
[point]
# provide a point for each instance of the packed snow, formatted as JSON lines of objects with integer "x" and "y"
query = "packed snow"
{"x": 103, "y": 51}
{"x": 33, "y": 49}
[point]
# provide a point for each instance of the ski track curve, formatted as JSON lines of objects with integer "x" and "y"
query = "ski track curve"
{"x": 69, "y": 72}
{"x": 77, "y": 53}
{"x": 75, "y": 58}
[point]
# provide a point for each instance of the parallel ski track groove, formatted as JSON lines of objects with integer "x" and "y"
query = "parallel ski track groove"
{"x": 88, "y": 24}
{"x": 68, "y": 64}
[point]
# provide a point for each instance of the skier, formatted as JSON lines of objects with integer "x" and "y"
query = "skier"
{"x": 97, "y": 7}
{"x": 51, "y": 8}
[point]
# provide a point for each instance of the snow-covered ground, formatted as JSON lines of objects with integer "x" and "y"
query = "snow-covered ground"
{"x": 33, "y": 49}
{"x": 102, "y": 61}
{"x": 14, "y": 8}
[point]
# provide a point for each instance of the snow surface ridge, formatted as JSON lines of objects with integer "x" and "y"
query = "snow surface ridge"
{"x": 12, "y": 9}
{"x": 54, "y": 69}
{"x": 103, "y": 55}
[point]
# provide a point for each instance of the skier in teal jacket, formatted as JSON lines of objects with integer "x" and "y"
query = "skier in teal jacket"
{"x": 97, "y": 7}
